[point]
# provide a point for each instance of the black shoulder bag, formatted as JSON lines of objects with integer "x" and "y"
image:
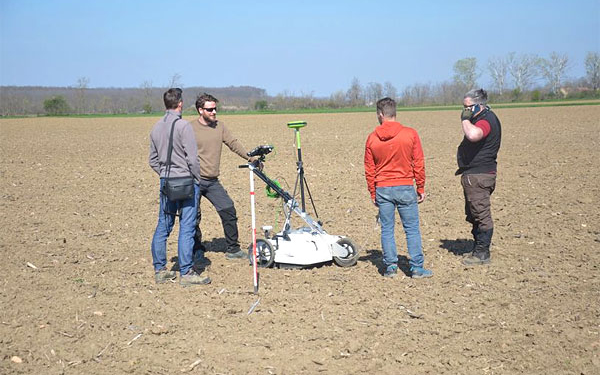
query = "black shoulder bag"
{"x": 176, "y": 188}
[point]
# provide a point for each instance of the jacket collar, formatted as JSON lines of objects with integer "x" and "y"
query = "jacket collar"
{"x": 172, "y": 112}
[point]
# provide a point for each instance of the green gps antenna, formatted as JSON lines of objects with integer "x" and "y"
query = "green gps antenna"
{"x": 296, "y": 124}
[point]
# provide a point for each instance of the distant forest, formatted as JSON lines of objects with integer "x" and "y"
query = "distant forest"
{"x": 515, "y": 78}
{"x": 29, "y": 100}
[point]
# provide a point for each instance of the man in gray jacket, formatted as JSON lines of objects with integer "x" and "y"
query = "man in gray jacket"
{"x": 184, "y": 162}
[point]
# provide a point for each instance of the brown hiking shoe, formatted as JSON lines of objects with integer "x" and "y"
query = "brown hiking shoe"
{"x": 193, "y": 278}
{"x": 163, "y": 275}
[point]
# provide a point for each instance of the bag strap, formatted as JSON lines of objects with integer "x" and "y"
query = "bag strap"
{"x": 170, "y": 148}
{"x": 169, "y": 152}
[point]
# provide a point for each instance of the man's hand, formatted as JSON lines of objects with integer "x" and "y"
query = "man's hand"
{"x": 466, "y": 114}
{"x": 421, "y": 197}
{"x": 256, "y": 161}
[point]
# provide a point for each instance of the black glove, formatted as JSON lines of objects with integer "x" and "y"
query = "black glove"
{"x": 466, "y": 114}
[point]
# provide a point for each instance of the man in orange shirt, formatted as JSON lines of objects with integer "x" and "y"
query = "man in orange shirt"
{"x": 394, "y": 162}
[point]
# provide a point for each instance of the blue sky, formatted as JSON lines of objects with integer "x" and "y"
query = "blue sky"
{"x": 300, "y": 47}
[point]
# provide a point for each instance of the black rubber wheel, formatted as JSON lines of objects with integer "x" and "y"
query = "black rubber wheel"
{"x": 265, "y": 255}
{"x": 352, "y": 257}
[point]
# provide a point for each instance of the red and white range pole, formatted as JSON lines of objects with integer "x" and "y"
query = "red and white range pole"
{"x": 254, "y": 266}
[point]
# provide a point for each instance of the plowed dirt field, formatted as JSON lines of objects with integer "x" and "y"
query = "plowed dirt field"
{"x": 79, "y": 206}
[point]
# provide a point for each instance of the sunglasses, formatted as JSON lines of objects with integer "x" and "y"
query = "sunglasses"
{"x": 214, "y": 109}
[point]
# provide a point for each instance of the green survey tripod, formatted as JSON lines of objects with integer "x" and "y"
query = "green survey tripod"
{"x": 300, "y": 179}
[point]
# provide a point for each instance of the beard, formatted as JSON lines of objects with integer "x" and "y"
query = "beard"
{"x": 209, "y": 119}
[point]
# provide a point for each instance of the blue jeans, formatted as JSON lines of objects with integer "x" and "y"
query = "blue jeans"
{"x": 187, "y": 229}
{"x": 404, "y": 199}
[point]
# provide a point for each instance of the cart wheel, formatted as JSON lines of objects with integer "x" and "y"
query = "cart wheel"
{"x": 352, "y": 257}
{"x": 265, "y": 256}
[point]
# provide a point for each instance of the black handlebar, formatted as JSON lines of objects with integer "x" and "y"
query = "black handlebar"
{"x": 261, "y": 150}
{"x": 257, "y": 164}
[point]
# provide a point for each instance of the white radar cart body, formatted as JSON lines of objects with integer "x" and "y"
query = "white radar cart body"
{"x": 304, "y": 246}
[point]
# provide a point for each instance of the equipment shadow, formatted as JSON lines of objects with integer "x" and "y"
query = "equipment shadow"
{"x": 376, "y": 258}
{"x": 458, "y": 247}
{"x": 199, "y": 265}
{"x": 217, "y": 245}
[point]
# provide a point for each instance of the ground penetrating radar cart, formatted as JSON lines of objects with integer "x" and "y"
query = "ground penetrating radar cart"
{"x": 304, "y": 246}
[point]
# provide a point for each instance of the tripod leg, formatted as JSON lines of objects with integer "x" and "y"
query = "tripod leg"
{"x": 312, "y": 202}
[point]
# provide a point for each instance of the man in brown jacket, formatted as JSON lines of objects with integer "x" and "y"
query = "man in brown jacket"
{"x": 210, "y": 137}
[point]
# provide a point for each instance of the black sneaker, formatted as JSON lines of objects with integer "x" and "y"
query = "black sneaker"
{"x": 476, "y": 259}
{"x": 239, "y": 254}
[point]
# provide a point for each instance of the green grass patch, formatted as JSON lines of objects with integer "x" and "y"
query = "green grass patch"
{"x": 421, "y": 108}
{"x": 333, "y": 110}
{"x": 300, "y": 110}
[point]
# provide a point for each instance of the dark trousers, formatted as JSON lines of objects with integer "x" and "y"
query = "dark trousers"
{"x": 478, "y": 188}
{"x": 218, "y": 197}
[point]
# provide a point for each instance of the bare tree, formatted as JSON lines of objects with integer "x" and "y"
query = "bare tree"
{"x": 81, "y": 86}
{"x": 175, "y": 81}
{"x": 523, "y": 70}
{"x": 355, "y": 93}
{"x": 146, "y": 86}
{"x": 417, "y": 94}
{"x": 373, "y": 92}
{"x": 592, "y": 69}
{"x": 337, "y": 99}
{"x": 105, "y": 104}
{"x": 498, "y": 68}
{"x": 389, "y": 90}
{"x": 553, "y": 69}
{"x": 448, "y": 92}
{"x": 307, "y": 99}
{"x": 465, "y": 73}
{"x": 283, "y": 100}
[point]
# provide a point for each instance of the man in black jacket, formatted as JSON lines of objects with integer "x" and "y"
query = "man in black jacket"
{"x": 476, "y": 157}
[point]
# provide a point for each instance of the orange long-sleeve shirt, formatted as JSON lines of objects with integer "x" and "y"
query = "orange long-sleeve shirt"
{"x": 394, "y": 156}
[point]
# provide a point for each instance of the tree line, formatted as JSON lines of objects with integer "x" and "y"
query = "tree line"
{"x": 525, "y": 77}
{"x": 81, "y": 99}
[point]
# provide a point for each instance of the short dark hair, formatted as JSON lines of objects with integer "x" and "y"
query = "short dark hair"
{"x": 478, "y": 96}
{"x": 172, "y": 97}
{"x": 387, "y": 107}
{"x": 201, "y": 99}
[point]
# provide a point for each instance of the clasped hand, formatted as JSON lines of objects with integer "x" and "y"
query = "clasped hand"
{"x": 466, "y": 114}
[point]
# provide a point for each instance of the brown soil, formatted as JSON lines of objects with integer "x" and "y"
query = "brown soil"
{"x": 79, "y": 205}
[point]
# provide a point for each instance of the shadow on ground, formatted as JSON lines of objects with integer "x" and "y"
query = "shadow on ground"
{"x": 376, "y": 258}
{"x": 458, "y": 247}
